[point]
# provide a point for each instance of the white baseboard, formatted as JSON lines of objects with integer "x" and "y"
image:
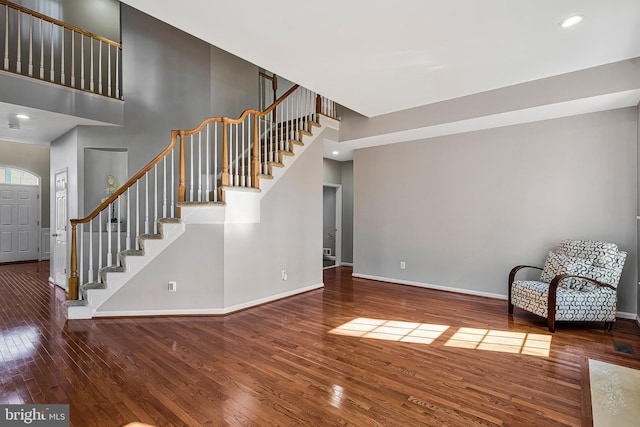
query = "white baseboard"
{"x": 624, "y": 315}
{"x": 207, "y": 311}
{"x": 346, "y": 264}
{"x": 431, "y": 286}
{"x": 620, "y": 314}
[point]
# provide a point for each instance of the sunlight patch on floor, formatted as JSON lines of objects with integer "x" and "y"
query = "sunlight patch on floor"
{"x": 390, "y": 330}
{"x": 502, "y": 341}
{"x": 426, "y": 333}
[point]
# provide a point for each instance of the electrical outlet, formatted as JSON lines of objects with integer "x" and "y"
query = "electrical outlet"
{"x": 173, "y": 286}
{"x": 402, "y": 265}
{"x": 284, "y": 274}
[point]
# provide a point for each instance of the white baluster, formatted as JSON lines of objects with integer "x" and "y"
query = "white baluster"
{"x": 30, "y": 69}
{"x": 155, "y": 199}
{"x": 118, "y": 233}
{"x": 100, "y": 250}
{"x": 191, "y": 171}
{"x": 200, "y": 166}
{"x": 215, "y": 162}
{"x": 137, "y": 209}
{"x": 19, "y": 59}
{"x": 81, "y": 61}
{"x": 6, "y": 37}
{"x": 243, "y": 179}
{"x": 91, "y": 83}
{"x": 41, "y": 49}
{"x": 109, "y": 254}
{"x": 99, "y": 66}
{"x": 164, "y": 187}
{"x": 117, "y": 73}
{"x": 146, "y": 203}
{"x": 51, "y": 76}
{"x": 236, "y": 156}
{"x": 173, "y": 200}
{"x": 90, "y": 276}
{"x": 109, "y": 73}
{"x": 62, "y": 78}
{"x": 73, "y": 58}
{"x": 208, "y": 165}
{"x": 128, "y": 218}
{"x": 81, "y": 254}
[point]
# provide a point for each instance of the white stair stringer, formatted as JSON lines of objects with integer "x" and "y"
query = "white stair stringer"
{"x": 152, "y": 246}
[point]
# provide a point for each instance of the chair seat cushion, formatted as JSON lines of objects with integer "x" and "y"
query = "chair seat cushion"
{"x": 571, "y": 304}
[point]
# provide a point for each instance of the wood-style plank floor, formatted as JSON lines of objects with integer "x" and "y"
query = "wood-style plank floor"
{"x": 406, "y": 357}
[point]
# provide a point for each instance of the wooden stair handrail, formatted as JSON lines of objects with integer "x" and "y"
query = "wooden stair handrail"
{"x": 59, "y": 23}
{"x": 175, "y": 135}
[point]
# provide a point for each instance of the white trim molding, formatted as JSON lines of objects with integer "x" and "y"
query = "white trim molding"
{"x": 625, "y": 315}
{"x": 45, "y": 244}
{"x": 347, "y": 264}
{"x": 431, "y": 286}
{"x": 207, "y": 311}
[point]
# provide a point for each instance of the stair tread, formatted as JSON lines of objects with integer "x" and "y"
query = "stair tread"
{"x": 316, "y": 124}
{"x": 150, "y": 236}
{"x": 296, "y": 142}
{"x": 209, "y": 203}
{"x": 113, "y": 269}
{"x": 276, "y": 164}
{"x": 170, "y": 220}
{"x": 93, "y": 285}
{"x": 245, "y": 189}
{"x": 75, "y": 303}
{"x": 265, "y": 176}
{"x": 286, "y": 153}
{"x": 132, "y": 252}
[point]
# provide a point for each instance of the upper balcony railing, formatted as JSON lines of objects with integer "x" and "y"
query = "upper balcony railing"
{"x": 44, "y": 48}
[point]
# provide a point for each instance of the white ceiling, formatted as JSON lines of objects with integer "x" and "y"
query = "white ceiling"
{"x": 41, "y": 128}
{"x": 378, "y": 56}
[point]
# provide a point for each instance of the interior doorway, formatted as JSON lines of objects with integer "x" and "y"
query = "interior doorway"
{"x": 60, "y": 234}
{"x": 331, "y": 225}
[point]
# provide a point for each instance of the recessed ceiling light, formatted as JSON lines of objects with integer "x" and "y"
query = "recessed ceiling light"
{"x": 22, "y": 116}
{"x": 571, "y": 21}
{"x": 335, "y": 152}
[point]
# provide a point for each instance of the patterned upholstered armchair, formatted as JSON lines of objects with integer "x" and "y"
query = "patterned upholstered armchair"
{"x": 578, "y": 283}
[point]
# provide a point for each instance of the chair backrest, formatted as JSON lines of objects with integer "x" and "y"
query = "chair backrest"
{"x": 606, "y": 260}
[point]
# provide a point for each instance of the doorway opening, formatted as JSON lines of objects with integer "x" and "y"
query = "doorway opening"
{"x": 331, "y": 225}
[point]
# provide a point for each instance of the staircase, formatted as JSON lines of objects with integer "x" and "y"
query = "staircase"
{"x": 217, "y": 173}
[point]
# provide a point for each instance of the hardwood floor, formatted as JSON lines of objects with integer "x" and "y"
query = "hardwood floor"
{"x": 290, "y": 363}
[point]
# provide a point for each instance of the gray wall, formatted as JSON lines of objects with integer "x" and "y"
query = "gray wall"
{"x": 34, "y": 158}
{"x": 462, "y": 210}
{"x": 346, "y": 174}
{"x": 171, "y": 80}
{"x": 199, "y": 276}
{"x": 638, "y": 210}
{"x": 341, "y": 173}
{"x": 289, "y": 236}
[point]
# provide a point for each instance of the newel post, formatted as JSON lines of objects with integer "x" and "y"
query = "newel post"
{"x": 255, "y": 162}
{"x": 73, "y": 279}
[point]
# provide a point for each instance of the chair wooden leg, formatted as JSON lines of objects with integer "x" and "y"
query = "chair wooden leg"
{"x": 551, "y": 322}
{"x": 510, "y": 308}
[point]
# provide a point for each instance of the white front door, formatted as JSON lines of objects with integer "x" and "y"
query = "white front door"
{"x": 19, "y": 223}
{"x": 60, "y": 234}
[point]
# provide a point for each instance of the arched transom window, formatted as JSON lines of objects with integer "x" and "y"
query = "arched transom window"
{"x": 9, "y": 175}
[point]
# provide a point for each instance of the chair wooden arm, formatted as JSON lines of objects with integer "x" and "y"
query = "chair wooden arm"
{"x": 553, "y": 291}
{"x": 512, "y": 277}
